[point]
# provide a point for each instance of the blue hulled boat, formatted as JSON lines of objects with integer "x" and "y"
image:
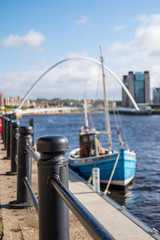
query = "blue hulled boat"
{"x": 124, "y": 172}
{"x": 116, "y": 167}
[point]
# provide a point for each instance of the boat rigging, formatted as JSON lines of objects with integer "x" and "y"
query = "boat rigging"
{"x": 116, "y": 167}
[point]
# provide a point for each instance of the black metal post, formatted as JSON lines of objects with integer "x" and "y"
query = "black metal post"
{"x": 31, "y": 123}
{"x": 53, "y": 212}
{"x": 14, "y": 147}
{"x": 24, "y": 169}
{"x": 8, "y": 138}
{"x": 3, "y": 128}
{"x": 5, "y": 132}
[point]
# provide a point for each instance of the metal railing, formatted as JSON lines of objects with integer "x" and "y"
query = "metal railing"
{"x": 53, "y": 193}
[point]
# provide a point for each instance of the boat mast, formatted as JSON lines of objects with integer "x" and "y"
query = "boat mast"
{"x": 108, "y": 128}
{"x": 85, "y": 113}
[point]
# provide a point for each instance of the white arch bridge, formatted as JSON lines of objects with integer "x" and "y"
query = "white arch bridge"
{"x": 58, "y": 110}
{"x": 78, "y": 58}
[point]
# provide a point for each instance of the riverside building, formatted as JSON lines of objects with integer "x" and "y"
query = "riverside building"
{"x": 156, "y": 95}
{"x": 138, "y": 85}
{"x": 1, "y": 100}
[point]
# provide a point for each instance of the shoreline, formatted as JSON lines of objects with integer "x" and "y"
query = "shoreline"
{"x": 66, "y": 111}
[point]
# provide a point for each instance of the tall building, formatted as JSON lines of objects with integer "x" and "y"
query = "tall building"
{"x": 156, "y": 95}
{"x": 1, "y": 100}
{"x": 147, "y": 86}
{"x": 138, "y": 85}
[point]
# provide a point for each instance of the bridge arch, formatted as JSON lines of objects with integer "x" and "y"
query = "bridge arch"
{"x": 80, "y": 58}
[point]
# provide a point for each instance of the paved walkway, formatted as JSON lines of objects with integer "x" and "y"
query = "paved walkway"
{"x": 22, "y": 224}
{"x": 116, "y": 223}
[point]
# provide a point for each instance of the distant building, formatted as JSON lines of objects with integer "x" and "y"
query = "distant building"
{"x": 12, "y": 101}
{"x": 156, "y": 95}
{"x": 138, "y": 85}
{"x": 27, "y": 103}
{"x": 1, "y": 100}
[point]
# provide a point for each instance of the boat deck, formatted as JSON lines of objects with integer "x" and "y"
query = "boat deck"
{"x": 115, "y": 218}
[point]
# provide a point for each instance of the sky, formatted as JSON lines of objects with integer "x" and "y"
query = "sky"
{"x": 35, "y": 35}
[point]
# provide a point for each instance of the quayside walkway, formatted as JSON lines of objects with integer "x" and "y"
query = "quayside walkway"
{"x": 22, "y": 224}
{"x": 108, "y": 213}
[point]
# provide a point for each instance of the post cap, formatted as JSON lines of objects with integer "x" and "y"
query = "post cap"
{"x": 25, "y": 130}
{"x": 52, "y": 144}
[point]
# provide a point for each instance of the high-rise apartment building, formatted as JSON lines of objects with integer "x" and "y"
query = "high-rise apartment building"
{"x": 1, "y": 100}
{"x": 156, "y": 95}
{"x": 138, "y": 85}
{"x": 147, "y": 86}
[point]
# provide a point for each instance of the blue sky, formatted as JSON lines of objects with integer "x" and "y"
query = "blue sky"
{"x": 34, "y": 35}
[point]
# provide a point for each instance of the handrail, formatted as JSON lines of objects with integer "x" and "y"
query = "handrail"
{"x": 33, "y": 196}
{"x": 32, "y": 153}
{"x": 16, "y": 160}
{"x": 96, "y": 230}
{"x": 16, "y": 136}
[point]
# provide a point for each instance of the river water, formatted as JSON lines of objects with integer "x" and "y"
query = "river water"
{"x": 142, "y": 133}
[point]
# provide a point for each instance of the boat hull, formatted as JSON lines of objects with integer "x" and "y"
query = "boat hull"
{"x": 124, "y": 172}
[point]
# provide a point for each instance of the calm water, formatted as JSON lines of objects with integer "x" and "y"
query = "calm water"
{"x": 143, "y": 136}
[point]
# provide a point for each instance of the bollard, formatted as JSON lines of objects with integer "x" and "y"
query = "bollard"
{"x": 96, "y": 179}
{"x": 3, "y": 128}
{"x": 24, "y": 169}
{"x": 14, "y": 147}
{"x": 31, "y": 123}
{"x": 53, "y": 212}
{"x": 8, "y": 138}
{"x": 5, "y": 132}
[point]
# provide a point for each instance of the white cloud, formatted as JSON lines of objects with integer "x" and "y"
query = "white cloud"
{"x": 151, "y": 20}
{"x": 66, "y": 81}
{"x": 142, "y": 52}
{"x": 31, "y": 40}
{"x": 118, "y": 28}
{"x": 16, "y": 83}
{"x": 82, "y": 20}
{"x": 146, "y": 37}
{"x": 155, "y": 71}
{"x": 119, "y": 47}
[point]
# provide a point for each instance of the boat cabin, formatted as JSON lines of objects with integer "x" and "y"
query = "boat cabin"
{"x": 90, "y": 144}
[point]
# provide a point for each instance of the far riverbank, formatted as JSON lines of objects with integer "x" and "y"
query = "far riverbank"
{"x": 73, "y": 110}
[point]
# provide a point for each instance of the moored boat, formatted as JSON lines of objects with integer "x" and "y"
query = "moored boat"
{"x": 116, "y": 167}
{"x": 83, "y": 159}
